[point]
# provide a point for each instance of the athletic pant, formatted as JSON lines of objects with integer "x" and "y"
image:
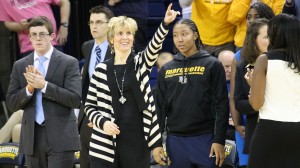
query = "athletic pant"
{"x": 190, "y": 152}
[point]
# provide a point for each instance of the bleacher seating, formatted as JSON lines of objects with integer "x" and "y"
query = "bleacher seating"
{"x": 156, "y": 13}
{"x": 9, "y": 155}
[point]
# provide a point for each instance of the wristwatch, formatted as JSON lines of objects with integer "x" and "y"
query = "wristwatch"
{"x": 64, "y": 24}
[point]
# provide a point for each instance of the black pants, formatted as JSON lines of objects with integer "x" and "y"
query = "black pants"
{"x": 85, "y": 138}
{"x": 131, "y": 152}
{"x": 43, "y": 156}
{"x": 275, "y": 144}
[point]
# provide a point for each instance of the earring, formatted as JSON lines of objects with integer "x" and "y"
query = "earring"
{"x": 112, "y": 49}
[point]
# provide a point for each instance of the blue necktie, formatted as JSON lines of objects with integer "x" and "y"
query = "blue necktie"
{"x": 39, "y": 111}
{"x": 98, "y": 55}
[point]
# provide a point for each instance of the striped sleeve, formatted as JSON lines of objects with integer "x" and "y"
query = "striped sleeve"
{"x": 147, "y": 58}
{"x": 155, "y": 134}
{"x": 98, "y": 101}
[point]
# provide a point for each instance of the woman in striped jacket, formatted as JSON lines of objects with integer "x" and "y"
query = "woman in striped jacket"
{"x": 119, "y": 101}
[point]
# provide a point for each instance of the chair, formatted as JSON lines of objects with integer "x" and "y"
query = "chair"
{"x": 230, "y": 153}
{"x": 9, "y": 155}
{"x": 76, "y": 158}
{"x": 2, "y": 99}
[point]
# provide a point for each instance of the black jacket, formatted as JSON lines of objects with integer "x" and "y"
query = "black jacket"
{"x": 242, "y": 104}
{"x": 192, "y": 92}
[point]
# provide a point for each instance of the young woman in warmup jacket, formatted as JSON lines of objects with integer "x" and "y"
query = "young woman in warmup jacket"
{"x": 192, "y": 94}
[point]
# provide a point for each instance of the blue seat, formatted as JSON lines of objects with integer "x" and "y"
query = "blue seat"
{"x": 9, "y": 155}
{"x": 156, "y": 14}
{"x": 230, "y": 153}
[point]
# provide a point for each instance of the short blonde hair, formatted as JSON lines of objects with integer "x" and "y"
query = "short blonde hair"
{"x": 120, "y": 22}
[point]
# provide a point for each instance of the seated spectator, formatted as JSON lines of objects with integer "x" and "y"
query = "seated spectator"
{"x": 226, "y": 57}
{"x": 163, "y": 58}
{"x": 12, "y": 128}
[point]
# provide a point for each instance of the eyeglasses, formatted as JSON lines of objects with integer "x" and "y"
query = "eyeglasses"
{"x": 36, "y": 35}
{"x": 97, "y": 23}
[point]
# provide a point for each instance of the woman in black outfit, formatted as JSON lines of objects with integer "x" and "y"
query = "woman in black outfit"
{"x": 119, "y": 101}
{"x": 256, "y": 43}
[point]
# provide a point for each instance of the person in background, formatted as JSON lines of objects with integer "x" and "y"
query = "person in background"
{"x": 162, "y": 59}
{"x": 46, "y": 85}
{"x": 256, "y": 43}
{"x": 119, "y": 101}
{"x": 12, "y": 128}
{"x": 192, "y": 94}
{"x": 137, "y": 10}
{"x": 275, "y": 93}
{"x": 186, "y": 8}
{"x": 292, "y": 7}
{"x": 256, "y": 11}
{"x": 17, "y": 14}
{"x": 241, "y": 11}
{"x": 95, "y": 51}
{"x": 225, "y": 57}
{"x": 216, "y": 32}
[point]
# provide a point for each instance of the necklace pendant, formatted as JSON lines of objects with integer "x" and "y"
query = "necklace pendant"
{"x": 122, "y": 99}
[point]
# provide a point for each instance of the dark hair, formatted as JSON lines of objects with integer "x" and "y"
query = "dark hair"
{"x": 263, "y": 10}
{"x": 194, "y": 28}
{"x": 250, "y": 52}
{"x": 41, "y": 21}
{"x": 101, "y": 9}
{"x": 284, "y": 33}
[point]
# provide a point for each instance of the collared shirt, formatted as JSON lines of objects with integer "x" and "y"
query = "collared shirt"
{"x": 45, "y": 65}
{"x": 103, "y": 46}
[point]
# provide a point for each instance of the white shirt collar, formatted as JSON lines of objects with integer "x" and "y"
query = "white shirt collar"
{"x": 47, "y": 55}
{"x": 102, "y": 45}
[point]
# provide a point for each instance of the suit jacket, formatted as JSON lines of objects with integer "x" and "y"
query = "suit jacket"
{"x": 63, "y": 93}
{"x": 86, "y": 49}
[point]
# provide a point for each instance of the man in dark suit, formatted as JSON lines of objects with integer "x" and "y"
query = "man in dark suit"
{"x": 46, "y": 85}
{"x": 94, "y": 51}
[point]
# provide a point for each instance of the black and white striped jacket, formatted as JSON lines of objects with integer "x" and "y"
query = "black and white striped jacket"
{"x": 99, "y": 106}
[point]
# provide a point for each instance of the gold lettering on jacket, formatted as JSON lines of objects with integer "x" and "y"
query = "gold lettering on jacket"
{"x": 195, "y": 70}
